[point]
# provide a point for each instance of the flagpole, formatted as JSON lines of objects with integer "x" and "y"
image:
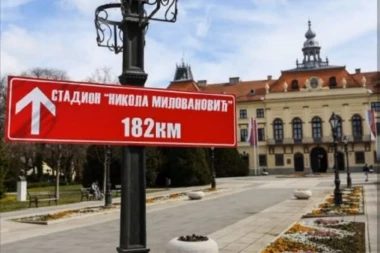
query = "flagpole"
{"x": 255, "y": 155}
{"x": 377, "y": 158}
{"x": 257, "y": 148}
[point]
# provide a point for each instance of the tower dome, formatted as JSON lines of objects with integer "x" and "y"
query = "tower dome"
{"x": 311, "y": 51}
{"x": 310, "y": 38}
{"x": 310, "y": 34}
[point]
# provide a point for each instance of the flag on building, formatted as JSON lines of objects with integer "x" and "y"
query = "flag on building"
{"x": 371, "y": 121}
{"x": 252, "y": 132}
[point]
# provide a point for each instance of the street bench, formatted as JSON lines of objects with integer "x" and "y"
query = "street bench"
{"x": 118, "y": 189}
{"x": 86, "y": 193}
{"x": 36, "y": 197}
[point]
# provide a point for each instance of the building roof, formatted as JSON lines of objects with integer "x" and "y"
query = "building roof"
{"x": 325, "y": 74}
{"x": 243, "y": 90}
{"x": 311, "y": 66}
{"x": 183, "y": 72}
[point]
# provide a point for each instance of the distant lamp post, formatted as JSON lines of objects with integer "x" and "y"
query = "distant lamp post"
{"x": 213, "y": 182}
{"x": 108, "y": 199}
{"x": 337, "y": 193}
{"x": 349, "y": 181}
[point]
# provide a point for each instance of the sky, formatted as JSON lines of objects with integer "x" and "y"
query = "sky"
{"x": 250, "y": 39}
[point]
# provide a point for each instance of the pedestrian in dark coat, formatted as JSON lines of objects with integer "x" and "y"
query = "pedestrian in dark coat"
{"x": 366, "y": 171}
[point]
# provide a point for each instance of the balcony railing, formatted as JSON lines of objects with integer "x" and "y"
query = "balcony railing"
{"x": 311, "y": 140}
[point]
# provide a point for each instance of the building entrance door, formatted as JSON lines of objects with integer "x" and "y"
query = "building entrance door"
{"x": 298, "y": 162}
{"x": 318, "y": 160}
{"x": 341, "y": 163}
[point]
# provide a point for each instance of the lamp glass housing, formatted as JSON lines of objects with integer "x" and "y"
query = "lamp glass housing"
{"x": 333, "y": 121}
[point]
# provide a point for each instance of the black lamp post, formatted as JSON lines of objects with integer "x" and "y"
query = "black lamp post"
{"x": 349, "y": 181}
{"x": 337, "y": 193}
{"x": 213, "y": 183}
{"x": 108, "y": 197}
{"x": 127, "y": 35}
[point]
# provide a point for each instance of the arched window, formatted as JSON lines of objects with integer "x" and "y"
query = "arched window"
{"x": 297, "y": 129}
{"x": 357, "y": 129}
{"x": 316, "y": 126}
{"x": 332, "y": 81}
{"x": 278, "y": 131}
{"x": 294, "y": 84}
{"x": 339, "y": 128}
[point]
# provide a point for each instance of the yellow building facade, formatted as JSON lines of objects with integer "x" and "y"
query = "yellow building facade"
{"x": 306, "y": 138}
{"x": 293, "y": 113}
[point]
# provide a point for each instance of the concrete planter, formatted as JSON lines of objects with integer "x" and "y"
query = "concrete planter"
{"x": 176, "y": 246}
{"x": 302, "y": 194}
{"x": 195, "y": 195}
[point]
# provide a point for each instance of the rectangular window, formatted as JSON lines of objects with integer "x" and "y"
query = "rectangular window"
{"x": 359, "y": 157}
{"x": 263, "y": 160}
{"x": 297, "y": 131}
{"x": 243, "y": 135}
{"x": 278, "y": 130}
{"x": 279, "y": 159}
{"x": 261, "y": 134}
{"x": 260, "y": 113}
{"x": 375, "y": 106}
{"x": 378, "y": 127}
{"x": 243, "y": 113}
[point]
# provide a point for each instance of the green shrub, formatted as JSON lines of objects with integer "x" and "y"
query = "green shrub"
{"x": 187, "y": 166}
{"x": 3, "y": 189}
{"x": 154, "y": 162}
{"x": 228, "y": 163}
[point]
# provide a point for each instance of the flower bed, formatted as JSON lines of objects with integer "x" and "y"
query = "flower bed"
{"x": 319, "y": 236}
{"x": 52, "y": 217}
{"x": 46, "y": 218}
{"x": 353, "y": 204}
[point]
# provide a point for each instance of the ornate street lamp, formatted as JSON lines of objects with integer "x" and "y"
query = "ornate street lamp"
{"x": 108, "y": 195}
{"x": 127, "y": 35}
{"x": 349, "y": 181}
{"x": 213, "y": 183}
{"x": 337, "y": 193}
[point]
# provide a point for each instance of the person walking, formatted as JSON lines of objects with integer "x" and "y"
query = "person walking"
{"x": 366, "y": 171}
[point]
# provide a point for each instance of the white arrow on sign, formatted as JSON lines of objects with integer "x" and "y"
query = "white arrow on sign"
{"x": 36, "y": 97}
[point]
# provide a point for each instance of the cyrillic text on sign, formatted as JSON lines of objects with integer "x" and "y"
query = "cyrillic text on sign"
{"x": 76, "y": 97}
{"x": 213, "y": 105}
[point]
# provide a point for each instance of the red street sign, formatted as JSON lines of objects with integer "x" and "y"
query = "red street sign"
{"x": 54, "y": 111}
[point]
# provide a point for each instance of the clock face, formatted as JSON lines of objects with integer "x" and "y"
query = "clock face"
{"x": 314, "y": 82}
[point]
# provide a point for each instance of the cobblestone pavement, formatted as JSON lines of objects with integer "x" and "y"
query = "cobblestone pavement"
{"x": 251, "y": 213}
{"x": 202, "y": 217}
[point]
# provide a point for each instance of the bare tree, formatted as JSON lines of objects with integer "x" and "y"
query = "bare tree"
{"x": 3, "y": 97}
{"x": 41, "y": 149}
{"x": 103, "y": 76}
{"x": 66, "y": 159}
{"x": 46, "y": 73}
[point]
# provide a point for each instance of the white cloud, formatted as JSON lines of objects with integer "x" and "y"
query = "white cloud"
{"x": 221, "y": 39}
{"x": 203, "y": 27}
{"x": 8, "y": 4}
{"x": 85, "y": 7}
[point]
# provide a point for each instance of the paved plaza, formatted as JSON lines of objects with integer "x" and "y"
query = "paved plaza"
{"x": 244, "y": 217}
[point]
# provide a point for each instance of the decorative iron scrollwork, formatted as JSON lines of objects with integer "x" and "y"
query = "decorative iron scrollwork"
{"x": 108, "y": 33}
{"x": 170, "y": 12}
